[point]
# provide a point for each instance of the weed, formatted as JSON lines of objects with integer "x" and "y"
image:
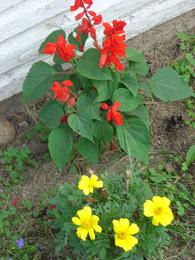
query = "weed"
{"x": 16, "y": 162}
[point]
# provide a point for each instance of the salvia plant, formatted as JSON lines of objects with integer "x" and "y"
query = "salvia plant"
{"x": 99, "y": 219}
{"x": 101, "y": 97}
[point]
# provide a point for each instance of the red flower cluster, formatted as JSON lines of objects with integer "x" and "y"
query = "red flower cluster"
{"x": 113, "y": 113}
{"x": 113, "y": 45}
{"x": 90, "y": 19}
{"x": 63, "y": 93}
{"x": 64, "y": 50}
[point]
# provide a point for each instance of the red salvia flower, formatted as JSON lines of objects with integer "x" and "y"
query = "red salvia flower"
{"x": 113, "y": 45}
{"x": 64, "y": 50}
{"x": 113, "y": 113}
{"x": 80, "y": 3}
{"x": 63, "y": 93}
{"x": 88, "y": 22}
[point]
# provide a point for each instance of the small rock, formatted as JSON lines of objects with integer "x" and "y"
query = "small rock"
{"x": 7, "y": 132}
{"x": 169, "y": 167}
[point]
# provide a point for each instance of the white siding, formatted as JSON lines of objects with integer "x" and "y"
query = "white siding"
{"x": 25, "y": 23}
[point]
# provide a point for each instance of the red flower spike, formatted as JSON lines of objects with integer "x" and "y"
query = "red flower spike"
{"x": 113, "y": 113}
{"x": 62, "y": 93}
{"x": 50, "y": 48}
{"x": 104, "y": 106}
{"x": 67, "y": 83}
{"x": 64, "y": 50}
{"x": 113, "y": 45}
{"x": 79, "y": 16}
{"x": 70, "y": 102}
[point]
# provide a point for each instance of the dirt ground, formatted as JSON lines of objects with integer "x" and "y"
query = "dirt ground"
{"x": 160, "y": 46}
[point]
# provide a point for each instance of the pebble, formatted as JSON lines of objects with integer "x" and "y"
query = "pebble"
{"x": 7, "y": 132}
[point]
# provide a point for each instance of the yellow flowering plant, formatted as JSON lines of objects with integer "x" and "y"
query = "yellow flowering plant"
{"x": 109, "y": 218}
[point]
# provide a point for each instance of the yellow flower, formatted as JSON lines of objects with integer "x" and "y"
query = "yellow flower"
{"x": 158, "y": 208}
{"x": 123, "y": 233}
{"x": 87, "y": 223}
{"x": 87, "y": 184}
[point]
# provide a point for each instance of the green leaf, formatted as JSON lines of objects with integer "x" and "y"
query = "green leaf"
{"x": 130, "y": 81}
{"x": 103, "y": 131}
{"x": 167, "y": 85}
{"x": 60, "y": 145}
{"x": 88, "y": 66}
{"x": 140, "y": 68}
{"x": 146, "y": 87}
{"x": 38, "y": 81}
{"x": 85, "y": 104}
{"x": 134, "y": 55}
{"x": 51, "y": 114}
{"x": 81, "y": 124}
{"x": 134, "y": 138}
{"x": 190, "y": 157}
{"x": 88, "y": 150}
{"x": 104, "y": 89}
{"x": 142, "y": 112}
{"x": 52, "y": 37}
{"x": 127, "y": 100}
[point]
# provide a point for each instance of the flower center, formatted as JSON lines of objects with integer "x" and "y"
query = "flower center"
{"x": 122, "y": 235}
{"x": 87, "y": 224}
{"x": 158, "y": 211}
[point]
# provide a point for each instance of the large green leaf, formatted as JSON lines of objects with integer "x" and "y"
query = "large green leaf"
{"x": 130, "y": 81}
{"x": 88, "y": 66}
{"x": 140, "y": 68}
{"x": 142, "y": 112}
{"x": 134, "y": 138}
{"x": 60, "y": 145}
{"x": 51, "y": 114}
{"x": 81, "y": 124}
{"x": 104, "y": 89}
{"x": 127, "y": 100}
{"x": 38, "y": 81}
{"x": 167, "y": 85}
{"x": 88, "y": 150}
{"x": 103, "y": 131}
{"x": 134, "y": 55}
{"x": 85, "y": 104}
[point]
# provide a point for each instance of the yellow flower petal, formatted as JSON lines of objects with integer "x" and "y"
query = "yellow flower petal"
{"x": 94, "y": 178}
{"x": 97, "y": 228}
{"x": 116, "y": 226}
{"x": 82, "y": 233}
{"x": 91, "y": 234}
{"x": 133, "y": 229}
{"x": 166, "y": 202}
{"x": 155, "y": 220}
{"x": 124, "y": 224}
{"x": 148, "y": 208}
{"x": 76, "y": 221}
{"x": 99, "y": 184}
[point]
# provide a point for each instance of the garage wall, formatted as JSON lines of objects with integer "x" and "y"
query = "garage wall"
{"x": 24, "y": 24}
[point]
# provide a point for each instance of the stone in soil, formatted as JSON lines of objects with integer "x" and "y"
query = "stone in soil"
{"x": 7, "y": 132}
